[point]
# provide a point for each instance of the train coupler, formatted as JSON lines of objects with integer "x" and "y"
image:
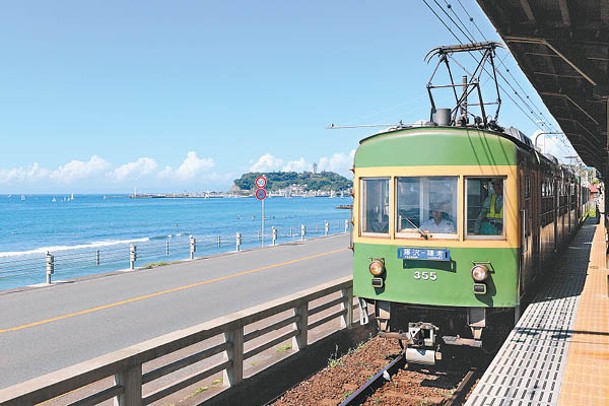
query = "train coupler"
{"x": 424, "y": 356}
{"x": 419, "y": 335}
{"x": 421, "y": 340}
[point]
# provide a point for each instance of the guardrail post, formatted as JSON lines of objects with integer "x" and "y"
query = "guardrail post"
{"x": 274, "y": 235}
{"x": 326, "y": 228}
{"x": 238, "y": 242}
{"x": 219, "y": 241}
{"x": 193, "y": 247}
{"x": 303, "y": 232}
{"x": 131, "y": 381}
{"x": 50, "y": 266}
{"x": 346, "y": 226}
{"x": 290, "y": 231}
{"x": 132, "y": 256}
{"x": 300, "y": 340}
{"x": 347, "y": 320}
{"x": 234, "y": 373}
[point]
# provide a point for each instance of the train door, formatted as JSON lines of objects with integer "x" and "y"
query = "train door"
{"x": 536, "y": 177}
{"x": 555, "y": 206}
{"x": 527, "y": 250}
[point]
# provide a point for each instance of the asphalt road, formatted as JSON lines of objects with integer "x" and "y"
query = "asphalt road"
{"x": 49, "y": 328}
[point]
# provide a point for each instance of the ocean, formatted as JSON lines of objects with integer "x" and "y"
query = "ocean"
{"x": 89, "y": 234}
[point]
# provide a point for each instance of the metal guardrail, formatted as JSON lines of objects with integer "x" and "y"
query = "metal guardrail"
{"x": 69, "y": 264}
{"x": 133, "y": 367}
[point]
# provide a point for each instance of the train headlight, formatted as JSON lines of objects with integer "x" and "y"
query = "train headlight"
{"x": 480, "y": 272}
{"x": 377, "y": 267}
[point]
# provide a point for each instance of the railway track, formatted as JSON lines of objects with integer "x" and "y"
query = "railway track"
{"x": 376, "y": 374}
{"x": 384, "y": 377}
{"x": 377, "y": 380}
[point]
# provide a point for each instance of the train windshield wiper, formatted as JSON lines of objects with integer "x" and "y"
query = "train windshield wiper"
{"x": 424, "y": 234}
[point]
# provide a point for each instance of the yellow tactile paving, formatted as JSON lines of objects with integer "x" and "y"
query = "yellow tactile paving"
{"x": 586, "y": 378}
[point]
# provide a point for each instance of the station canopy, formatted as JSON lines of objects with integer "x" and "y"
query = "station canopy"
{"x": 563, "y": 48}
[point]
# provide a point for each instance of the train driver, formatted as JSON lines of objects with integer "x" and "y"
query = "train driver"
{"x": 490, "y": 219}
{"x": 439, "y": 222}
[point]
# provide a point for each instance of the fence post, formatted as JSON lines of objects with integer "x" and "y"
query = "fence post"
{"x": 326, "y": 228}
{"x": 97, "y": 258}
{"x": 131, "y": 381}
{"x": 167, "y": 248}
{"x": 300, "y": 340}
{"x": 132, "y": 256}
{"x": 193, "y": 247}
{"x": 238, "y": 242}
{"x": 234, "y": 373}
{"x": 347, "y": 320}
{"x": 346, "y": 226}
{"x": 219, "y": 241}
{"x": 303, "y": 232}
{"x": 50, "y": 268}
{"x": 274, "y": 234}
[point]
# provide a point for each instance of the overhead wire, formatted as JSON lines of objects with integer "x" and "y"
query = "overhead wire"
{"x": 544, "y": 122}
{"x": 536, "y": 117}
{"x": 471, "y": 38}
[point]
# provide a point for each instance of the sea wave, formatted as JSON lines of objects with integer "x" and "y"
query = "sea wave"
{"x": 61, "y": 248}
{"x": 168, "y": 236}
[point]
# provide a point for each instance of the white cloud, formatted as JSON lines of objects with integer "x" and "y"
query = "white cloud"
{"x": 340, "y": 163}
{"x": 191, "y": 167}
{"x": 76, "y": 170}
{"x": 34, "y": 173}
{"x": 134, "y": 170}
{"x": 267, "y": 163}
{"x": 297, "y": 166}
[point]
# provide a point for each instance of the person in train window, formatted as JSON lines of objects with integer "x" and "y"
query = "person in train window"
{"x": 439, "y": 222}
{"x": 490, "y": 219}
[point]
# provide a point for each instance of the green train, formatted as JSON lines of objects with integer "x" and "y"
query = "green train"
{"x": 453, "y": 225}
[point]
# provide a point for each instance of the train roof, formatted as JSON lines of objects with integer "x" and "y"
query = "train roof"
{"x": 515, "y": 136}
{"x": 511, "y": 133}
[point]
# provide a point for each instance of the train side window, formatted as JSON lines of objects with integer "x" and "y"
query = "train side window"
{"x": 485, "y": 206}
{"x": 375, "y": 205}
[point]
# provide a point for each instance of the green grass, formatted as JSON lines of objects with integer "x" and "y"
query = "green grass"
{"x": 284, "y": 347}
{"x": 157, "y": 264}
{"x": 200, "y": 390}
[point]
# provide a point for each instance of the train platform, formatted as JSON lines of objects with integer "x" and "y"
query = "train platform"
{"x": 558, "y": 353}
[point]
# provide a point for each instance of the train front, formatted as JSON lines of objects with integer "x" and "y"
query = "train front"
{"x": 436, "y": 245}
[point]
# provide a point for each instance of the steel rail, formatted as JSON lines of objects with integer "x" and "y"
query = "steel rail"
{"x": 463, "y": 389}
{"x": 367, "y": 388}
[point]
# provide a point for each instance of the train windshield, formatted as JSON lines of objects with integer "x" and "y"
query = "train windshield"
{"x": 427, "y": 205}
{"x": 485, "y": 206}
{"x": 375, "y": 205}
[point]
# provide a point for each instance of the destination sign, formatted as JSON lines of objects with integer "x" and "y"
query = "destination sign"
{"x": 425, "y": 254}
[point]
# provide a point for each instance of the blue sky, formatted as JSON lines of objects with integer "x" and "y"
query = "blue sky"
{"x": 108, "y": 96}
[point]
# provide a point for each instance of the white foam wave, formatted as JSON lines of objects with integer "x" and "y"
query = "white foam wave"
{"x": 59, "y": 248}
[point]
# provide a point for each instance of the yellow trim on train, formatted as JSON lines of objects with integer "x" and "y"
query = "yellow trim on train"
{"x": 511, "y": 198}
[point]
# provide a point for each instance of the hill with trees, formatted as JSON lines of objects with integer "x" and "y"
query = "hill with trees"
{"x": 295, "y": 182}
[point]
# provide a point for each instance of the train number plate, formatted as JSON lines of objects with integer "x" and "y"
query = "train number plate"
{"x": 425, "y": 254}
